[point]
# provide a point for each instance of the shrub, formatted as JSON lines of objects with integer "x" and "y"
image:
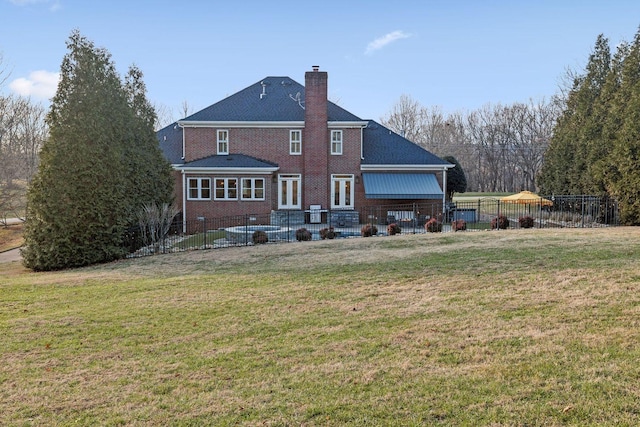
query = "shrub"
{"x": 525, "y": 221}
{"x": 303, "y": 235}
{"x": 259, "y": 237}
{"x": 393, "y": 229}
{"x": 501, "y": 222}
{"x": 433, "y": 226}
{"x": 327, "y": 233}
{"x": 459, "y": 224}
{"x": 368, "y": 230}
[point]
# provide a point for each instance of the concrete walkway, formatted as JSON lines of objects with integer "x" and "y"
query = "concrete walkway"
{"x": 10, "y": 256}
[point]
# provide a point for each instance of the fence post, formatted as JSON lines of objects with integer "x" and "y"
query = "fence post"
{"x": 204, "y": 232}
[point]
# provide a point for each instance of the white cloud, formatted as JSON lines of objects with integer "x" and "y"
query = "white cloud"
{"x": 383, "y": 41}
{"x": 40, "y": 84}
{"x": 53, "y": 4}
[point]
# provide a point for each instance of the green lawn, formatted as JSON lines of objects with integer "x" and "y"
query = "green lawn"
{"x": 516, "y": 327}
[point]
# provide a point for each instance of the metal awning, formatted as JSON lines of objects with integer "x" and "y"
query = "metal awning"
{"x": 401, "y": 186}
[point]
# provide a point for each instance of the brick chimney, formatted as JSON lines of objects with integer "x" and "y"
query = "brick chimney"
{"x": 315, "y": 145}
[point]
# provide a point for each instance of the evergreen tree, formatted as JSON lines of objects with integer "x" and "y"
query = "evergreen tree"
{"x": 456, "y": 178}
{"x": 149, "y": 172}
{"x": 621, "y": 168}
{"x": 566, "y": 169}
{"x": 80, "y": 202}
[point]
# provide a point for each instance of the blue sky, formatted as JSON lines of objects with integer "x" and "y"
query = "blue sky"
{"x": 457, "y": 55}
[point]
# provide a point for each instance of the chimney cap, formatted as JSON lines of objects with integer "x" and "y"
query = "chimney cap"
{"x": 315, "y": 67}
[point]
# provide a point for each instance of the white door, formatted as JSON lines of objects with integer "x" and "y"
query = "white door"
{"x": 342, "y": 191}
{"x": 289, "y": 192}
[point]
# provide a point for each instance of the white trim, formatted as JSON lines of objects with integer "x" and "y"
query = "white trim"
{"x": 290, "y": 177}
{"x": 253, "y": 189}
{"x": 225, "y": 142}
{"x": 244, "y": 171}
{"x": 199, "y": 187}
{"x": 346, "y": 125}
{"x": 269, "y": 124}
{"x": 299, "y": 141}
{"x": 331, "y": 142}
{"x": 405, "y": 167}
{"x": 184, "y": 202}
{"x": 241, "y": 124}
{"x": 226, "y": 188}
{"x": 339, "y": 177}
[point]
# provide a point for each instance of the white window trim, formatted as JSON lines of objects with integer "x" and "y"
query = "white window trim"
{"x": 291, "y": 142}
{"x": 336, "y": 132}
{"x": 342, "y": 177}
{"x": 226, "y": 188}
{"x": 199, "y": 187}
{"x": 224, "y": 141}
{"x": 253, "y": 189}
{"x": 290, "y": 177}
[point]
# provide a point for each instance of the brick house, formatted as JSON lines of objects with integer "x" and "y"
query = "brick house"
{"x": 278, "y": 146}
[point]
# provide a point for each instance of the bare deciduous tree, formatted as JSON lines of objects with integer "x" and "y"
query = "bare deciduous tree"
{"x": 499, "y": 147}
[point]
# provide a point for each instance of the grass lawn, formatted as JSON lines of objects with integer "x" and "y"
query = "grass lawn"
{"x": 10, "y": 237}
{"x": 517, "y": 327}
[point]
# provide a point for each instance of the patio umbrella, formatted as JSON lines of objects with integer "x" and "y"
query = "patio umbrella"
{"x": 526, "y": 198}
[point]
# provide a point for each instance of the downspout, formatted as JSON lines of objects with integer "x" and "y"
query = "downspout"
{"x": 184, "y": 202}
{"x": 183, "y": 143}
{"x": 444, "y": 189}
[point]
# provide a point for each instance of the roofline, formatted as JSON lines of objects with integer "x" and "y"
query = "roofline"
{"x": 239, "y": 124}
{"x": 265, "y": 124}
{"x": 348, "y": 124}
{"x": 212, "y": 170}
{"x": 384, "y": 168}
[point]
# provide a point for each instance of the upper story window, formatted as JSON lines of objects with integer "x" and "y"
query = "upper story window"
{"x": 226, "y": 189}
{"x": 336, "y": 142}
{"x": 223, "y": 142}
{"x": 199, "y": 189}
{"x": 295, "y": 142}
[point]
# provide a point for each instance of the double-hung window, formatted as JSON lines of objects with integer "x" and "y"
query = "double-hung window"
{"x": 336, "y": 142}
{"x": 252, "y": 188}
{"x": 199, "y": 189}
{"x": 295, "y": 142}
{"x": 226, "y": 189}
{"x": 223, "y": 142}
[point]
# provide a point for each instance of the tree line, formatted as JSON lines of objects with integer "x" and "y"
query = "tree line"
{"x": 500, "y": 147}
{"x": 595, "y": 148}
{"x": 22, "y": 133}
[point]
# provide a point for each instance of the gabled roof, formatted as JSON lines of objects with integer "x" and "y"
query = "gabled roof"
{"x": 272, "y": 99}
{"x": 382, "y": 146}
{"x": 230, "y": 161}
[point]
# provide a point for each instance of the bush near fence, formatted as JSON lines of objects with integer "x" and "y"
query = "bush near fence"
{"x": 209, "y": 233}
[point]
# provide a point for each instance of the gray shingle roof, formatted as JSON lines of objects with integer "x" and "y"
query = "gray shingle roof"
{"x": 170, "y": 140}
{"x": 275, "y": 99}
{"x": 229, "y": 161}
{"x": 382, "y": 146}
{"x": 272, "y": 99}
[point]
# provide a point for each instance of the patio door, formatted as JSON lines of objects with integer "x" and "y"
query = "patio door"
{"x": 289, "y": 192}
{"x": 342, "y": 191}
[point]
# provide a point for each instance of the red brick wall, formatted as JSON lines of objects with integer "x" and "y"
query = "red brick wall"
{"x": 222, "y": 208}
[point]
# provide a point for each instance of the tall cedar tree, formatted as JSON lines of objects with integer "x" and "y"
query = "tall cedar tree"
{"x": 456, "y": 179}
{"x": 566, "y": 168}
{"x": 150, "y": 173}
{"x": 82, "y": 198}
{"x": 622, "y": 169}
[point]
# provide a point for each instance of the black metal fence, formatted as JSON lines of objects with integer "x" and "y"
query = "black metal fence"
{"x": 291, "y": 226}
